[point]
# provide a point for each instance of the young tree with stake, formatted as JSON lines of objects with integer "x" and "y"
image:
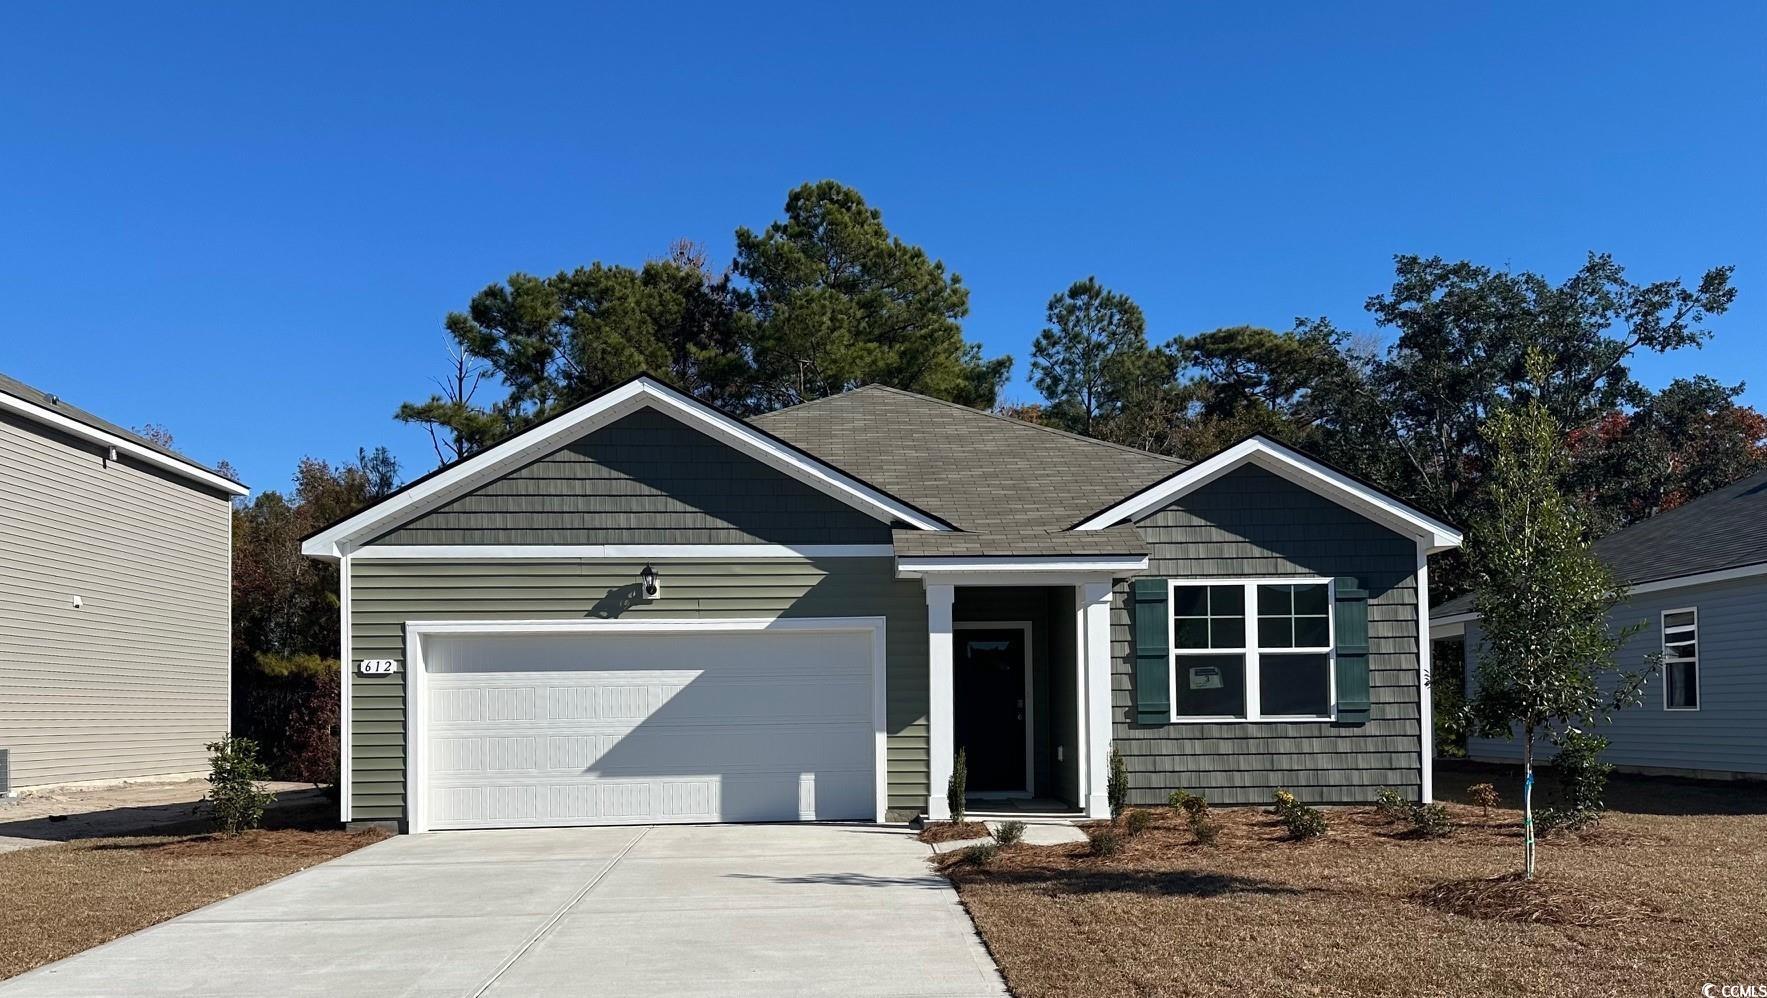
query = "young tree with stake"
{"x": 1543, "y": 598}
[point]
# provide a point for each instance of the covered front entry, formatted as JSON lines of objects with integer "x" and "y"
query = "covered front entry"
{"x": 605, "y": 723}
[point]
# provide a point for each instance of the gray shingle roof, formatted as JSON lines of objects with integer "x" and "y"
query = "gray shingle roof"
{"x": 1013, "y": 486}
{"x": 1725, "y": 528}
{"x": 35, "y": 396}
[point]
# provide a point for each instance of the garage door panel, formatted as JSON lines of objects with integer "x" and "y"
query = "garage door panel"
{"x": 620, "y": 728}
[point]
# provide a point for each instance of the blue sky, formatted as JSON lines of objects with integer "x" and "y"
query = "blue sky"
{"x": 246, "y": 222}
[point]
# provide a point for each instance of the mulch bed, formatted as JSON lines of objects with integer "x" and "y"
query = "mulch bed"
{"x": 64, "y": 898}
{"x": 1639, "y": 905}
{"x": 947, "y": 831}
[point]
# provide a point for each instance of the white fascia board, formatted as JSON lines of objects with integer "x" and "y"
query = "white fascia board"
{"x": 75, "y": 428}
{"x": 625, "y": 399}
{"x": 629, "y": 552}
{"x": 1296, "y": 467}
{"x": 930, "y": 566}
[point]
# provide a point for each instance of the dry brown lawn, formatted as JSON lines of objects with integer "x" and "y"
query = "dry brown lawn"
{"x": 64, "y": 898}
{"x": 1645, "y": 904}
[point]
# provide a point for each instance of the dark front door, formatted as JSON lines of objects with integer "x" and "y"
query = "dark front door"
{"x": 988, "y": 694}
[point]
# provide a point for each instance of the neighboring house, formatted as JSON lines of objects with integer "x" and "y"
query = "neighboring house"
{"x": 648, "y": 610}
{"x": 1698, "y": 597}
{"x": 115, "y": 598}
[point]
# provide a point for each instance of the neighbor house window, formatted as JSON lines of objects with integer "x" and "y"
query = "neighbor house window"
{"x": 1252, "y": 650}
{"x": 1681, "y": 660}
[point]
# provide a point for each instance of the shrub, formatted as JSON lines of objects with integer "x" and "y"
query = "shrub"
{"x": 1303, "y": 822}
{"x": 1551, "y": 820}
{"x": 1392, "y": 805}
{"x": 1430, "y": 820}
{"x": 958, "y": 787}
{"x": 1581, "y": 775}
{"x": 1135, "y": 822}
{"x": 1010, "y": 833}
{"x": 981, "y": 854}
{"x": 1190, "y": 804}
{"x": 1483, "y": 795}
{"x": 1106, "y": 841}
{"x": 1204, "y": 828}
{"x": 1116, "y": 788}
{"x": 1285, "y": 802}
{"x": 236, "y": 799}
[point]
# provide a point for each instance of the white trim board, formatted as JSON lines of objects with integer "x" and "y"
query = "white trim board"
{"x": 925, "y": 566}
{"x": 639, "y": 393}
{"x": 416, "y": 678}
{"x": 73, "y": 427}
{"x": 1643, "y": 588}
{"x": 1296, "y": 467}
{"x": 605, "y": 552}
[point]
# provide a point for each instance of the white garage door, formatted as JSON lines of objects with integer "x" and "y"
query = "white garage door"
{"x": 620, "y": 727}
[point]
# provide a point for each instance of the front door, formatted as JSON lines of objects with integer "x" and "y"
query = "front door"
{"x": 988, "y": 688}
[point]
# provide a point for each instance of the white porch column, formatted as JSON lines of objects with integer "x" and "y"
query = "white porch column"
{"x": 1095, "y": 611}
{"x": 940, "y": 715}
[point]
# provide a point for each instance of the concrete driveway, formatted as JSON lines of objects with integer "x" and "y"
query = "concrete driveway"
{"x": 662, "y": 910}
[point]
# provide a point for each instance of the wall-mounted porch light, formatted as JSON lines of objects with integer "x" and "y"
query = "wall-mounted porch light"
{"x": 647, "y": 582}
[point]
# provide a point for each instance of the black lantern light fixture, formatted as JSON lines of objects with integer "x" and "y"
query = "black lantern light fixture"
{"x": 648, "y": 584}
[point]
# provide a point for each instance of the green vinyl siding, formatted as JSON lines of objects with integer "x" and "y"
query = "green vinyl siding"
{"x": 643, "y": 479}
{"x": 384, "y": 594}
{"x": 1252, "y": 523}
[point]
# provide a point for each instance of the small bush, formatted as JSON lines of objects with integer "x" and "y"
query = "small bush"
{"x": 1392, "y": 805}
{"x": 1204, "y": 829}
{"x": 1285, "y": 802}
{"x": 1137, "y": 821}
{"x": 1010, "y": 833}
{"x": 1553, "y": 820}
{"x": 981, "y": 854}
{"x": 1430, "y": 820}
{"x": 1483, "y": 795}
{"x": 1304, "y": 822}
{"x": 236, "y": 800}
{"x": 1106, "y": 841}
{"x": 958, "y": 787}
{"x": 1190, "y": 804}
{"x": 1581, "y": 775}
{"x": 1117, "y": 787}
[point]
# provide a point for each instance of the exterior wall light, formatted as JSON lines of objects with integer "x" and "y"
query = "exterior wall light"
{"x": 648, "y": 583}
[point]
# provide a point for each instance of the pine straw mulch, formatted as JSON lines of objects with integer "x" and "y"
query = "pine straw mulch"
{"x": 72, "y": 896}
{"x": 948, "y": 831}
{"x": 1638, "y": 905}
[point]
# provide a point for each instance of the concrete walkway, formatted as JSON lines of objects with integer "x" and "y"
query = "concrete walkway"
{"x": 663, "y": 910}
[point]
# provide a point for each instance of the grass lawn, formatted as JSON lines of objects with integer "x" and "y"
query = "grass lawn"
{"x": 64, "y": 898}
{"x": 1671, "y": 895}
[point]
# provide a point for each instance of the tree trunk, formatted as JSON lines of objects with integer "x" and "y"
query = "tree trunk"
{"x": 1528, "y": 804}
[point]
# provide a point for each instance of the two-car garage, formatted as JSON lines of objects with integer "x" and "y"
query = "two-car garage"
{"x": 596, "y": 722}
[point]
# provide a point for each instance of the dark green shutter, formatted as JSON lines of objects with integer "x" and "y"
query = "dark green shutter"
{"x": 1153, "y": 695}
{"x": 1351, "y": 620}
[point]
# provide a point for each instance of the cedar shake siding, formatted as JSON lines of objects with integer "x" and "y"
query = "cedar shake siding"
{"x": 1251, "y": 523}
{"x": 643, "y": 479}
{"x": 134, "y": 682}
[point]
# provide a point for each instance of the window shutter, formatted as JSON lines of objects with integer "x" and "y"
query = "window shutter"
{"x": 1153, "y": 695}
{"x": 1350, "y": 616}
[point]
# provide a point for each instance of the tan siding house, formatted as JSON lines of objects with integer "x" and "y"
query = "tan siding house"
{"x": 115, "y": 563}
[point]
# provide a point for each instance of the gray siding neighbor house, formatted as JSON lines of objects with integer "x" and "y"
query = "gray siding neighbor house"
{"x": 115, "y": 598}
{"x": 1697, "y": 599}
{"x": 649, "y": 610}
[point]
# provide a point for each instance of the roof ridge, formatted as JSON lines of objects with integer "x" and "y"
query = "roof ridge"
{"x": 1014, "y": 421}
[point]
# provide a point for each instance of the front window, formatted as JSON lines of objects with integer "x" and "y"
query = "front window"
{"x": 1681, "y": 660}
{"x": 1250, "y": 650}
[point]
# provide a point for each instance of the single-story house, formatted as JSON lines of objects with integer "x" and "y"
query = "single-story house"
{"x": 1697, "y": 596}
{"x": 115, "y": 599}
{"x": 648, "y": 610}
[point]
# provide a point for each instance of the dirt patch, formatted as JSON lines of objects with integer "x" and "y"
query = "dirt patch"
{"x": 72, "y": 896}
{"x": 948, "y": 831}
{"x": 1642, "y": 905}
{"x": 1509, "y": 898}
